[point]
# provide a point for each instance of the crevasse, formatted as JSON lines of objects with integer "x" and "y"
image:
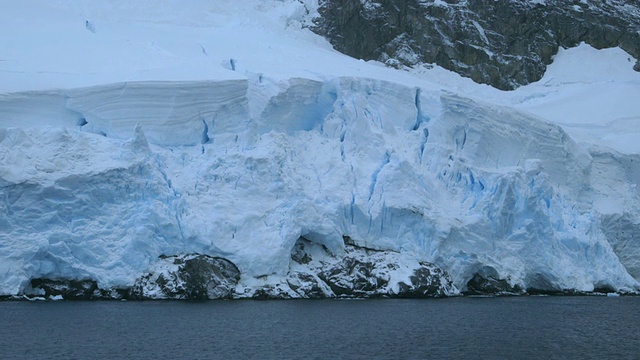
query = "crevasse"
{"x": 98, "y": 183}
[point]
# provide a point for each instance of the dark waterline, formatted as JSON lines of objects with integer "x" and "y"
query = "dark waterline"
{"x": 473, "y": 328}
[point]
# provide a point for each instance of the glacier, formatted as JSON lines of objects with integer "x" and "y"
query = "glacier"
{"x": 119, "y": 180}
{"x": 243, "y": 171}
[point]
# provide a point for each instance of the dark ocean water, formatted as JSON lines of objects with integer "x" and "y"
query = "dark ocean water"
{"x": 470, "y": 328}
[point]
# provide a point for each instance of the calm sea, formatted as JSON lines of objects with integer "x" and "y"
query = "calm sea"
{"x": 470, "y": 328}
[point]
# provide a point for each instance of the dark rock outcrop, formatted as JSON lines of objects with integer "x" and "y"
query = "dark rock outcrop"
{"x": 503, "y": 43}
{"x": 489, "y": 285}
{"x": 308, "y": 284}
{"x": 354, "y": 277}
{"x": 269, "y": 292}
{"x": 363, "y": 273}
{"x": 68, "y": 289}
{"x": 423, "y": 283}
{"x": 72, "y": 289}
{"x": 189, "y": 277}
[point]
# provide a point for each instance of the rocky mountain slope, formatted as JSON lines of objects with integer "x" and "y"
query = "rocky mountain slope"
{"x": 503, "y": 43}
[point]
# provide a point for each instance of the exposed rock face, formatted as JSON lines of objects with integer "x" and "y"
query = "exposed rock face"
{"x": 362, "y": 272}
{"x": 68, "y": 289}
{"x": 190, "y": 277}
{"x": 72, "y": 289}
{"x": 490, "y": 285}
{"x": 503, "y": 43}
{"x": 314, "y": 273}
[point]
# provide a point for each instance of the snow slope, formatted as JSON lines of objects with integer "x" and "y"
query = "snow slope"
{"x": 592, "y": 94}
{"x": 134, "y": 130}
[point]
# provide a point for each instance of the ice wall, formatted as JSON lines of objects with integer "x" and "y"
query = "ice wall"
{"x": 243, "y": 168}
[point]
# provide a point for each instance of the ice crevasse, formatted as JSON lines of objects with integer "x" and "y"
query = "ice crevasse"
{"x": 100, "y": 182}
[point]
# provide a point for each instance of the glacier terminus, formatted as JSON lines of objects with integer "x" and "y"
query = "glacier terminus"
{"x": 196, "y": 157}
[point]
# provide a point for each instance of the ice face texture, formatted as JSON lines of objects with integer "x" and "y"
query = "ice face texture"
{"x": 194, "y": 133}
{"x": 471, "y": 187}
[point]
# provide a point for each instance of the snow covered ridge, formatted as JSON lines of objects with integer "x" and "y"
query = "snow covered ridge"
{"x": 242, "y": 170}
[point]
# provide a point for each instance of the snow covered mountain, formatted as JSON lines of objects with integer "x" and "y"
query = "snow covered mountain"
{"x": 223, "y": 150}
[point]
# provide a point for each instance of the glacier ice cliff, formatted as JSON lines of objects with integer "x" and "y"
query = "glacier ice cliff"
{"x": 115, "y": 185}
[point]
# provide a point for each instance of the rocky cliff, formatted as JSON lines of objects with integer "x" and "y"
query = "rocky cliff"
{"x": 503, "y": 43}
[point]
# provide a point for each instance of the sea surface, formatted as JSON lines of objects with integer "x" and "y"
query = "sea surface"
{"x": 455, "y": 328}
